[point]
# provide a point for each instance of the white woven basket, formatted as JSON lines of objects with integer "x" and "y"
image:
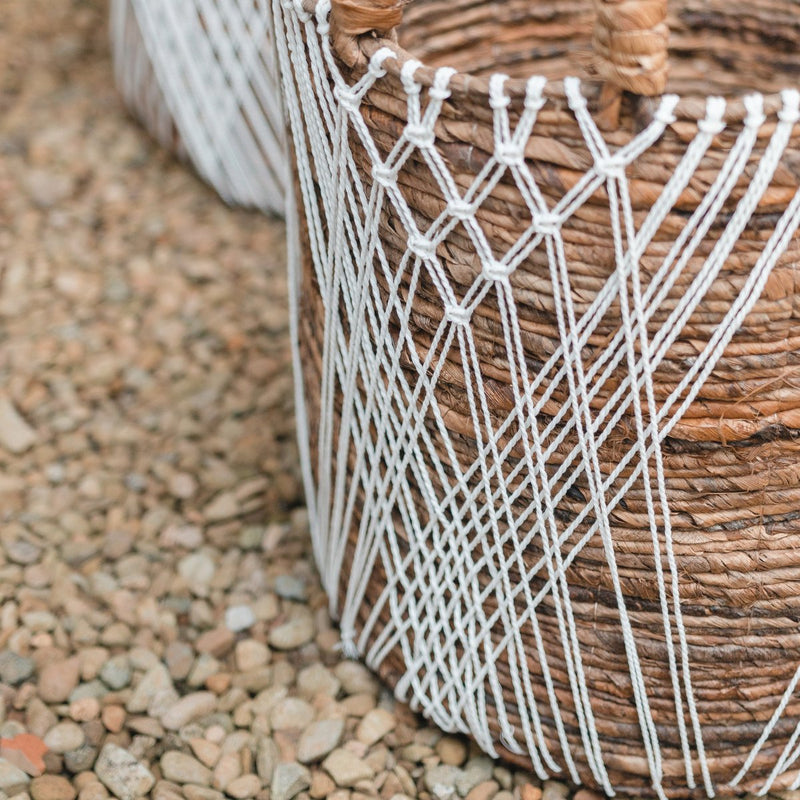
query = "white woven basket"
{"x": 201, "y": 76}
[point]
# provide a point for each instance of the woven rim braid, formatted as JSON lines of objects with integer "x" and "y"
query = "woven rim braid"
{"x": 550, "y": 401}
{"x": 201, "y": 76}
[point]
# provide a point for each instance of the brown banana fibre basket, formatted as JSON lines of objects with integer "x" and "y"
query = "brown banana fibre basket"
{"x": 547, "y": 315}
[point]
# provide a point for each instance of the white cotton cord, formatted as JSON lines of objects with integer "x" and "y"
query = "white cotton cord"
{"x": 768, "y": 728}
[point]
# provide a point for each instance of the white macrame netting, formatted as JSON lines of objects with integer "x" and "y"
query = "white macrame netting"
{"x": 202, "y": 77}
{"x": 375, "y": 428}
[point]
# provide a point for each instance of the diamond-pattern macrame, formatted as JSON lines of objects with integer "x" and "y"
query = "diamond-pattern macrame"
{"x": 433, "y": 513}
{"x": 202, "y": 76}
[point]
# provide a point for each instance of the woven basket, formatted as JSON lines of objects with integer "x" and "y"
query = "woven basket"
{"x": 549, "y": 331}
{"x": 201, "y": 77}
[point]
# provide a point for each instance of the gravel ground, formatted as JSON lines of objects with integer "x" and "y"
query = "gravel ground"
{"x": 162, "y": 630}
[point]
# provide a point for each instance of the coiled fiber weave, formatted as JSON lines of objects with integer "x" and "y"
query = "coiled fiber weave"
{"x": 550, "y": 341}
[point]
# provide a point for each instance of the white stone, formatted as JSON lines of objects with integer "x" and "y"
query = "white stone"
{"x": 239, "y": 618}
{"x": 125, "y": 776}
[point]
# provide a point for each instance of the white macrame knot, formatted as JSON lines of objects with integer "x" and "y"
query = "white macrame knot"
{"x": 376, "y": 68}
{"x": 457, "y": 315}
{"x": 323, "y": 11}
{"x": 754, "y": 103}
{"x": 421, "y": 247}
{"x": 496, "y": 270}
{"x": 610, "y": 167}
{"x": 665, "y": 113}
{"x": 534, "y": 93}
{"x": 383, "y": 175}
{"x": 510, "y": 154}
{"x": 346, "y": 98}
{"x": 460, "y": 209}
{"x": 791, "y": 106}
{"x": 419, "y": 135}
{"x": 547, "y": 224}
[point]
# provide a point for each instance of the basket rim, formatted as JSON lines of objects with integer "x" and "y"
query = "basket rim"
{"x": 357, "y": 51}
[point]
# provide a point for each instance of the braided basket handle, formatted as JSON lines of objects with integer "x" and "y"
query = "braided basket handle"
{"x": 630, "y": 38}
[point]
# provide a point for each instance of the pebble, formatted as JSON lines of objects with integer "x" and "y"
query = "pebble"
{"x": 250, "y": 654}
{"x": 116, "y": 672}
{"x": 207, "y": 753}
{"x": 290, "y": 588}
{"x": 356, "y": 678}
{"x": 347, "y": 769}
{"x": 452, "y": 750}
{"x": 125, "y": 776}
{"x": 317, "y": 679}
{"x": 179, "y": 657}
{"x": 64, "y": 737}
{"x": 22, "y": 552}
{"x": 188, "y": 708}
{"x": 475, "y": 771}
{"x": 243, "y": 787}
{"x": 58, "y": 679}
{"x": 197, "y": 569}
{"x": 80, "y": 759}
{"x": 293, "y": 634}
{"x": 12, "y": 778}
{"x": 16, "y": 435}
{"x": 239, "y": 618}
{"x": 182, "y": 768}
{"x": 113, "y": 718}
{"x": 51, "y": 787}
{"x": 217, "y": 642}
{"x": 84, "y": 709}
{"x": 554, "y": 790}
{"x": 227, "y": 769}
{"x": 156, "y": 681}
{"x": 266, "y": 758}
{"x": 529, "y": 791}
{"x": 15, "y": 669}
{"x": 375, "y": 725}
{"x": 288, "y": 780}
{"x": 318, "y": 739}
{"x": 483, "y": 791}
{"x": 441, "y": 781}
{"x": 291, "y": 713}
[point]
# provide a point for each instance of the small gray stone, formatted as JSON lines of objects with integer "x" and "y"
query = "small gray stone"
{"x": 239, "y": 618}
{"x": 288, "y": 780}
{"x": 290, "y": 588}
{"x": 15, "y": 669}
{"x": 293, "y": 634}
{"x": 441, "y": 780}
{"x": 122, "y": 774}
{"x": 12, "y": 779}
{"x": 154, "y": 682}
{"x": 21, "y": 552}
{"x": 81, "y": 759}
{"x": 475, "y": 771}
{"x": 95, "y": 688}
{"x": 116, "y": 672}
